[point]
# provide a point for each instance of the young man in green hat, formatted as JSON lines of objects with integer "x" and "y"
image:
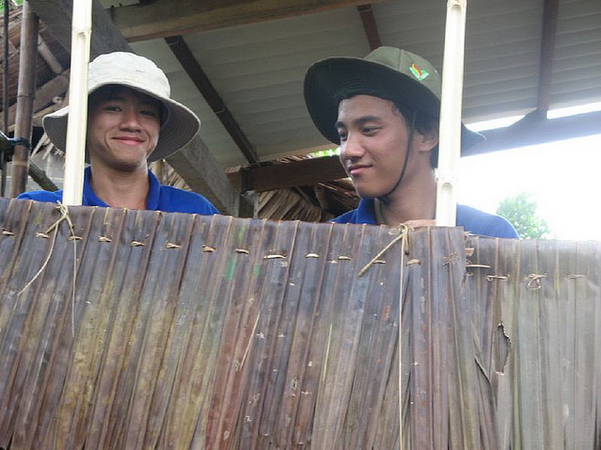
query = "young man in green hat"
{"x": 132, "y": 120}
{"x": 383, "y": 111}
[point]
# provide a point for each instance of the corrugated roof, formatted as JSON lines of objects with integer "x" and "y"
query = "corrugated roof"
{"x": 258, "y": 68}
{"x": 255, "y": 55}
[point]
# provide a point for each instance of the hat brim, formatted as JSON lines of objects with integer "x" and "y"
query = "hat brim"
{"x": 332, "y": 80}
{"x": 180, "y": 127}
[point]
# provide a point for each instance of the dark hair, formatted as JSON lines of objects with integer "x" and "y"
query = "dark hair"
{"x": 111, "y": 91}
{"x": 423, "y": 124}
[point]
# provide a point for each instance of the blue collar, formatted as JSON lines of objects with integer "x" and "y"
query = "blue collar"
{"x": 90, "y": 198}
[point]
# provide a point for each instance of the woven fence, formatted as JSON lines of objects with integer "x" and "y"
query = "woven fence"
{"x": 143, "y": 330}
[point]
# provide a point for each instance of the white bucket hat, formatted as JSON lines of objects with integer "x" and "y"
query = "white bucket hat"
{"x": 128, "y": 69}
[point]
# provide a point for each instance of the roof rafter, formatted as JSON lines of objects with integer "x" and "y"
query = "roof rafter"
{"x": 194, "y": 70}
{"x": 159, "y": 19}
{"x": 370, "y": 26}
{"x": 547, "y": 51}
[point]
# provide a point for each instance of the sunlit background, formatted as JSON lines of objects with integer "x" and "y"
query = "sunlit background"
{"x": 563, "y": 178}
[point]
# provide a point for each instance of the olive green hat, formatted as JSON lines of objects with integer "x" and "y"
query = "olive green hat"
{"x": 387, "y": 72}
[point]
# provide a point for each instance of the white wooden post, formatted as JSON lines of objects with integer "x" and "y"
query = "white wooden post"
{"x": 450, "y": 113}
{"x": 78, "y": 102}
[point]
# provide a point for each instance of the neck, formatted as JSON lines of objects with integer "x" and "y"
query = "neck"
{"x": 413, "y": 200}
{"x": 121, "y": 189}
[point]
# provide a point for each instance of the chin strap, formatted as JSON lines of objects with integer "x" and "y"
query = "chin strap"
{"x": 385, "y": 199}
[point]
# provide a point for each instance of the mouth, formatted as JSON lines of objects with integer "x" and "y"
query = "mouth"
{"x": 129, "y": 140}
{"x": 357, "y": 169}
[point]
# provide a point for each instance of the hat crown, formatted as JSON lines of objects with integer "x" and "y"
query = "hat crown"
{"x": 130, "y": 70}
{"x": 410, "y": 65}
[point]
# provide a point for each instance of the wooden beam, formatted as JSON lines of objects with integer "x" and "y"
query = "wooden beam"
{"x": 199, "y": 169}
{"x": 45, "y": 95}
{"x": 535, "y": 129}
{"x": 160, "y": 19}
{"x": 57, "y": 14}
{"x": 306, "y": 172}
{"x": 547, "y": 51}
{"x": 370, "y": 26}
{"x": 48, "y": 56}
{"x": 183, "y": 54}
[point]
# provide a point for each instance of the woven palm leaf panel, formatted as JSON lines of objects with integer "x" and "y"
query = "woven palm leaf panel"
{"x": 135, "y": 329}
{"x": 537, "y": 311}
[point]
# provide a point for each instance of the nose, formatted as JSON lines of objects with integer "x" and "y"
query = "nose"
{"x": 351, "y": 149}
{"x": 130, "y": 120}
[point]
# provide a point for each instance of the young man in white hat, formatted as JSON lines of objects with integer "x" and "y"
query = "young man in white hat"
{"x": 131, "y": 121}
{"x": 383, "y": 111}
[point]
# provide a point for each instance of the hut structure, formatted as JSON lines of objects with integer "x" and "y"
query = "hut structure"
{"x": 137, "y": 329}
{"x": 240, "y": 65}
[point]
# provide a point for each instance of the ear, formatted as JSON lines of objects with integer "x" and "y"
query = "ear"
{"x": 426, "y": 142}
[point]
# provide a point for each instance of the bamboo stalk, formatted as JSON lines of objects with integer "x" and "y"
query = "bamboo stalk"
{"x": 78, "y": 103}
{"x": 5, "y": 74}
{"x": 450, "y": 112}
{"x": 3, "y": 157}
{"x": 25, "y": 96}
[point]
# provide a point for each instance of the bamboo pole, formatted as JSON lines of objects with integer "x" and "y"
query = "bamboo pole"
{"x": 450, "y": 113}
{"x": 5, "y": 71}
{"x": 78, "y": 102}
{"x": 25, "y": 96}
{"x": 3, "y": 157}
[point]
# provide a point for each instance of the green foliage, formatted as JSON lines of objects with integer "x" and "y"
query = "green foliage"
{"x": 12, "y": 4}
{"x": 522, "y": 214}
{"x": 329, "y": 152}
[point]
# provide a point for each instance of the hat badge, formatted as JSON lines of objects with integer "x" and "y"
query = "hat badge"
{"x": 418, "y": 73}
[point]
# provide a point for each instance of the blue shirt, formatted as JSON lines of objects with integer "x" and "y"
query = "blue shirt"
{"x": 471, "y": 219}
{"x": 160, "y": 197}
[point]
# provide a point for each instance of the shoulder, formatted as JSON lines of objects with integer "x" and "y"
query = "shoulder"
{"x": 42, "y": 196}
{"x": 177, "y": 200}
{"x": 485, "y": 224}
{"x": 365, "y": 213}
{"x": 348, "y": 217}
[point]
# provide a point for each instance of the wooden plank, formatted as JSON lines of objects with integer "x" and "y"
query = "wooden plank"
{"x": 305, "y": 172}
{"x": 159, "y": 19}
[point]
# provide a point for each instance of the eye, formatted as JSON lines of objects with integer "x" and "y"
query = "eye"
{"x": 149, "y": 113}
{"x": 342, "y": 134}
{"x": 370, "y": 129}
{"x": 112, "y": 107}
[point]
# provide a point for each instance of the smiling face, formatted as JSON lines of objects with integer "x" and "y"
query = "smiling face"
{"x": 123, "y": 128}
{"x": 373, "y": 145}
